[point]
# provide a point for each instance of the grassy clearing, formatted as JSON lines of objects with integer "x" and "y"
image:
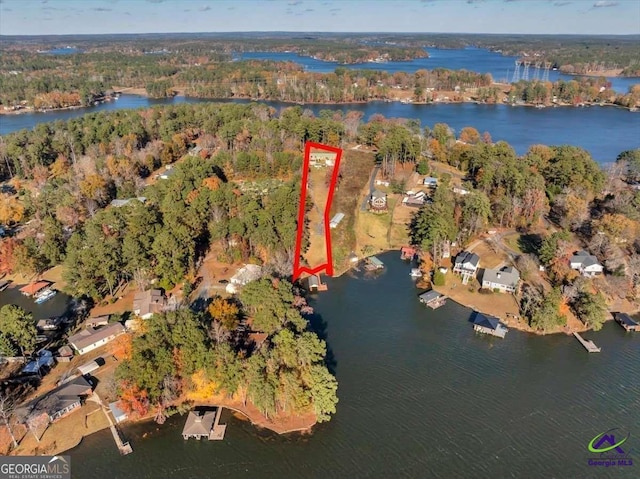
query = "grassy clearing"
{"x": 355, "y": 169}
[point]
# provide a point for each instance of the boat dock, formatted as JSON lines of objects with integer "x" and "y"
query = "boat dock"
{"x": 124, "y": 447}
{"x": 218, "y": 430}
{"x": 588, "y": 344}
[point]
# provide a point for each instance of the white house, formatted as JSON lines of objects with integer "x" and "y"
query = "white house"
{"x": 466, "y": 264}
{"x": 505, "y": 280}
{"x": 89, "y": 339}
{"x": 586, "y": 264}
{"x": 378, "y": 200}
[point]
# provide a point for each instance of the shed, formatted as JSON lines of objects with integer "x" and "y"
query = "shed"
{"x": 313, "y": 283}
{"x": 65, "y": 354}
{"x": 97, "y": 321}
{"x": 335, "y": 221}
{"x": 118, "y": 414}
{"x": 88, "y": 368}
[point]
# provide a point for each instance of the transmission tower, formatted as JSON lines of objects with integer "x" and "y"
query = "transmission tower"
{"x": 516, "y": 73}
{"x": 545, "y": 75}
{"x": 525, "y": 74}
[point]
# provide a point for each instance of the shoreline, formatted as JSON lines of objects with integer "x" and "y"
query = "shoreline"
{"x": 140, "y": 92}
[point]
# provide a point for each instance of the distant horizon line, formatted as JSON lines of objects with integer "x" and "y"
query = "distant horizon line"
{"x": 289, "y": 32}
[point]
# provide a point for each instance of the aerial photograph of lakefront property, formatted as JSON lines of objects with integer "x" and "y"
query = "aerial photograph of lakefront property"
{"x": 352, "y": 239}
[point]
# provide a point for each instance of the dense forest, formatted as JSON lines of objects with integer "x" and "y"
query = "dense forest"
{"x": 235, "y": 184}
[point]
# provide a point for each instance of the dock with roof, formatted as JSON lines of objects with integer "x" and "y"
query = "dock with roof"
{"x": 204, "y": 424}
{"x": 627, "y": 322}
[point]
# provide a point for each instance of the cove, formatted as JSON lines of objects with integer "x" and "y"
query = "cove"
{"x": 421, "y": 395}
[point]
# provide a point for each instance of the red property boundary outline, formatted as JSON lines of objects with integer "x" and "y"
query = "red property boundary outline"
{"x": 328, "y": 266}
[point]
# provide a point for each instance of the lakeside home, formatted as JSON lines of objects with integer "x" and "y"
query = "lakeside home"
{"x": 504, "y": 280}
{"x": 89, "y": 339}
{"x": 586, "y": 264}
{"x": 466, "y": 265}
{"x": 61, "y": 401}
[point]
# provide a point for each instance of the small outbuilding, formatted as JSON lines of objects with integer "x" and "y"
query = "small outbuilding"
{"x": 433, "y": 299}
{"x": 627, "y": 322}
{"x": 486, "y": 324}
{"x": 199, "y": 424}
{"x": 118, "y": 414}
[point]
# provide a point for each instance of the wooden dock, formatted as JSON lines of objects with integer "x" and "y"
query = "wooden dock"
{"x": 588, "y": 344}
{"x": 218, "y": 430}
{"x": 124, "y": 447}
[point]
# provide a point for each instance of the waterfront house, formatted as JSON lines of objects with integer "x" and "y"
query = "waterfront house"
{"x": 199, "y": 424}
{"x": 89, "y": 339}
{"x": 433, "y": 299}
{"x": 430, "y": 181}
{"x": 505, "y": 280}
{"x": 586, "y": 264}
{"x": 486, "y": 324}
{"x": 624, "y": 320}
{"x": 147, "y": 303}
{"x": 320, "y": 159}
{"x": 62, "y": 400}
{"x": 378, "y": 201}
{"x": 335, "y": 221}
{"x": 466, "y": 265}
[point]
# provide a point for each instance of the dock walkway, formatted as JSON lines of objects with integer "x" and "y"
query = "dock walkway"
{"x": 218, "y": 430}
{"x": 588, "y": 344}
{"x": 124, "y": 447}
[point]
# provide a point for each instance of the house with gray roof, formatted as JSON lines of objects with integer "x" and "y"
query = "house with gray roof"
{"x": 199, "y": 424}
{"x": 378, "y": 200}
{"x": 466, "y": 264}
{"x": 62, "y": 400}
{"x": 586, "y": 264}
{"x": 89, "y": 338}
{"x": 147, "y": 303}
{"x": 505, "y": 280}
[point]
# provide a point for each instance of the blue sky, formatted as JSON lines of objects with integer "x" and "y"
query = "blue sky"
{"x": 32, "y": 17}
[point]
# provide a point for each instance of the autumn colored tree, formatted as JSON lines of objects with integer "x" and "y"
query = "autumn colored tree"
{"x": 133, "y": 400}
{"x": 11, "y": 209}
{"x": 225, "y": 311}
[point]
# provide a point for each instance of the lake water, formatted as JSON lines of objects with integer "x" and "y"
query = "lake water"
{"x": 603, "y": 131}
{"x": 421, "y": 395}
{"x": 56, "y": 306}
{"x": 478, "y": 60}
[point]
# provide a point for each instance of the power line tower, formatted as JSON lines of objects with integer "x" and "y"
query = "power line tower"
{"x": 525, "y": 74}
{"x": 536, "y": 73}
{"x": 545, "y": 75}
{"x": 516, "y": 73}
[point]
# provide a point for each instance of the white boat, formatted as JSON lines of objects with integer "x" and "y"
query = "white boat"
{"x": 45, "y": 295}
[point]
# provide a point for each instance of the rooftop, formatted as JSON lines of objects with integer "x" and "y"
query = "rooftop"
{"x": 90, "y": 336}
{"x": 467, "y": 257}
{"x": 507, "y": 276}
{"x": 429, "y": 296}
{"x": 487, "y": 321}
{"x": 199, "y": 423}
{"x": 148, "y": 302}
